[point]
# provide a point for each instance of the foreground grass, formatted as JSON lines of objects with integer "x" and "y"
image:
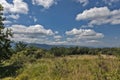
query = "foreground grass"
{"x": 83, "y": 67}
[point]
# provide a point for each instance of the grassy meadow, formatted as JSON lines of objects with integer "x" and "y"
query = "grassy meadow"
{"x": 76, "y": 67}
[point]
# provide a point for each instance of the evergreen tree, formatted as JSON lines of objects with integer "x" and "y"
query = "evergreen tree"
{"x": 4, "y": 38}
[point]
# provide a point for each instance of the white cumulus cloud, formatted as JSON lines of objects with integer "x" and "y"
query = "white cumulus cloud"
{"x": 35, "y": 29}
{"x": 15, "y": 16}
{"x": 32, "y": 34}
{"x": 57, "y": 37}
{"x": 99, "y": 16}
{"x": 83, "y": 2}
{"x": 110, "y": 2}
{"x": 83, "y": 34}
{"x": 45, "y": 3}
{"x": 18, "y": 6}
{"x": 40, "y": 35}
{"x": 7, "y": 22}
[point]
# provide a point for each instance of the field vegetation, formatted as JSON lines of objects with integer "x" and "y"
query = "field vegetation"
{"x": 60, "y": 63}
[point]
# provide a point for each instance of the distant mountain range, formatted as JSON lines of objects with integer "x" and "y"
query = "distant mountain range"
{"x": 46, "y": 46}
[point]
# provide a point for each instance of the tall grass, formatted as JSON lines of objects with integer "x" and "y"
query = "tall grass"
{"x": 71, "y": 68}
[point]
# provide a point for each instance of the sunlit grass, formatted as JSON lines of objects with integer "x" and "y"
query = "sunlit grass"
{"x": 82, "y": 67}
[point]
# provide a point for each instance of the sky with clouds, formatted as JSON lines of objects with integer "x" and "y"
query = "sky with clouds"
{"x": 64, "y": 22}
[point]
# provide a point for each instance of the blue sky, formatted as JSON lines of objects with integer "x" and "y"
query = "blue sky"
{"x": 64, "y": 22}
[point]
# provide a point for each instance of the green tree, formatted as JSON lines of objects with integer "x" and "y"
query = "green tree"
{"x": 4, "y": 38}
{"x": 20, "y": 46}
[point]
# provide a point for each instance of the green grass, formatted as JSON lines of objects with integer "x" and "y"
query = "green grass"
{"x": 83, "y": 67}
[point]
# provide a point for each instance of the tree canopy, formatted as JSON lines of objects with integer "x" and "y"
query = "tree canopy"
{"x": 5, "y": 35}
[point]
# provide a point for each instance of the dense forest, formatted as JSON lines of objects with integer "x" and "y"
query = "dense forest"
{"x": 24, "y": 62}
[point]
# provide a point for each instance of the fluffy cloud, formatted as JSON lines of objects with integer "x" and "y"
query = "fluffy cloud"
{"x": 32, "y": 34}
{"x": 35, "y": 29}
{"x": 18, "y": 6}
{"x": 93, "y": 13}
{"x": 35, "y": 19}
{"x": 15, "y": 16}
{"x": 12, "y": 10}
{"x": 57, "y": 38}
{"x": 98, "y": 16}
{"x": 110, "y": 2}
{"x": 83, "y": 2}
{"x": 76, "y": 35}
{"x": 7, "y": 22}
{"x": 45, "y": 3}
{"x": 38, "y": 34}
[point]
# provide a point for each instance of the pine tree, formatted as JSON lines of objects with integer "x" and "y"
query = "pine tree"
{"x": 4, "y": 38}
